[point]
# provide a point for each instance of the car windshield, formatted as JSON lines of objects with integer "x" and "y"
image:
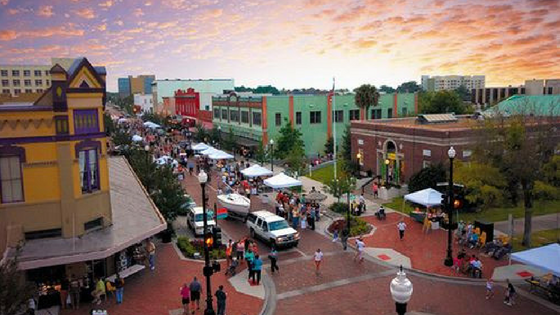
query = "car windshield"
{"x": 278, "y": 225}
{"x": 198, "y": 217}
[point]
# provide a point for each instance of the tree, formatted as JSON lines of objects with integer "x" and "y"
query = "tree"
{"x": 260, "y": 154}
{"x": 296, "y": 160}
{"x": 288, "y": 139}
{"x": 441, "y": 102}
{"x": 229, "y": 142}
{"x": 329, "y": 146}
{"x": 346, "y": 151}
{"x": 201, "y": 134}
{"x": 340, "y": 186}
{"x": 121, "y": 137}
{"x": 266, "y": 89}
{"x": 109, "y": 124}
{"x": 427, "y": 177}
{"x": 126, "y": 104}
{"x": 214, "y": 136}
{"x": 366, "y": 96}
{"x": 484, "y": 184}
{"x": 409, "y": 87}
{"x": 386, "y": 89}
{"x": 15, "y": 292}
{"x": 464, "y": 93}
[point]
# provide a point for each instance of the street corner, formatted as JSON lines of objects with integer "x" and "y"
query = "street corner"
{"x": 241, "y": 284}
{"x": 389, "y": 256}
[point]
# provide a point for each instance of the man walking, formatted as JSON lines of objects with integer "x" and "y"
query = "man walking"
{"x": 401, "y": 226}
{"x": 273, "y": 256}
{"x": 344, "y": 238}
{"x": 151, "y": 249}
{"x": 360, "y": 254}
{"x": 221, "y": 297}
{"x": 195, "y": 288}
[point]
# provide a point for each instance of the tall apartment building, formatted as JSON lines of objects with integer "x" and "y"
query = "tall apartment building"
{"x": 493, "y": 95}
{"x": 17, "y": 79}
{"x": 141, "y": 84}
{"x": 451, "y": 82}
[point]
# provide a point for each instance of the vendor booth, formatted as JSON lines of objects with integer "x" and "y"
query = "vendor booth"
{"x": 220, "y": 155}
{"x": 546, "y": 258}
{"x": 256, "y": 171}
{"x": 281, "y": 181}
{"x": 200, "y": 147}
{"x": 431, "y": 200}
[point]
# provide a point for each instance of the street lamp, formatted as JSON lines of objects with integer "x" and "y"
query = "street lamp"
{"x": 401, "y": 291}
{"x": 347, "y": 210}
{"x": 359, "y": 158}
{"x": 147, "y": 149}
{"x": 449, "y": 259}
{"x": 387, "y": 171}
{"x": 207, "y": 270}
{"x": 219, "y": 137}
{"x": 271, "y": 154}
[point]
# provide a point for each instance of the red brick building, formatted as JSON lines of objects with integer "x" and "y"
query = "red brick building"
{"x": 187, "y": 103}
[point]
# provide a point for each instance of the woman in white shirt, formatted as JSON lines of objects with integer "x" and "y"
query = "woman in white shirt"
{"x": 318, "y": 258}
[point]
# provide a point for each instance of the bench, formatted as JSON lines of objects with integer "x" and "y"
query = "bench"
{"x": 127, "y": 272}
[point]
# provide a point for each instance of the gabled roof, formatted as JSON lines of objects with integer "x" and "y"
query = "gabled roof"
{"x": 78, "y": 64}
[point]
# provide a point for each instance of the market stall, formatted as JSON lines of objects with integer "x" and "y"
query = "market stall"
{"x": 200, "y": 147}
{"x": 256, "y": 171}
{"x": 220, "y": 155}
{"x": 430, "y": 199}
{"x": 546, "y": 258}
{"x": 281, "y": 181}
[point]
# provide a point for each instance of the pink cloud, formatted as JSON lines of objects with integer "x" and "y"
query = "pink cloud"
{"x": 106, "y": 4}
{"x": 46, "y": 11}
{"x": 86, "y": 13}
{"x": 7, "y": 35}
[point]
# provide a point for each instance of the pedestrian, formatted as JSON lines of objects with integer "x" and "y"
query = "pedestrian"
{"x": 75, "y": 289}
{"x": 151, "y": 249}
{"x": 64, "y": 287}
{"x": 311, "y": 219}
{"x": 273, "y": 256}
{"x": 401, "y": 226}
{"x": 489, "y": 289}
{"x": 119, "y": 284}
{"x": 335, "y": 236}
{"x": 257, "y": 267}
{"x": 229, "y": 249}
{"x": 318, "y": 258}
{"x": 510, "y": 294}
{"x": 185, "y": 297}
{"x": 360, "y": 245}
{"x": 195, "y": 289}
{"x": 375, "y": 190}
{"x": 344, "y": 238}
{"x": 221, "y": 297}
{"x": 249, "y": 258}
{"x": 31, "y": 306}
{"x": 239, "y": 250}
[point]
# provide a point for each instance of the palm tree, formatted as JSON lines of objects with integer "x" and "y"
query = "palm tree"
{"x": 366, "y": 96}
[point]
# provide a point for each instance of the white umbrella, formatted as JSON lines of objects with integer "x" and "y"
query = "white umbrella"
{"x": 137, "y": 138}
{"x": 281, "y": 181}
{"x": 256, "y": 170}
{"x": 200, "y": 147}
{"x": 220, "y": 155}
{"x": 122, "y": 120}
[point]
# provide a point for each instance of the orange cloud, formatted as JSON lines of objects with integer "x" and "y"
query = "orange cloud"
{"x": 106, "y": 4}
{"x": 8, "y": 35}
{"x": 86, "y": 13}
{"x": 46, "y": 11}
{"x": 138, "y": 12}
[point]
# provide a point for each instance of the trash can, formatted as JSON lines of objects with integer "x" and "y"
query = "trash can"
{"x": 487, "y": 227}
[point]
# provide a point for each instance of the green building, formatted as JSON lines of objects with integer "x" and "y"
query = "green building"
{"x": 257, "y": 118}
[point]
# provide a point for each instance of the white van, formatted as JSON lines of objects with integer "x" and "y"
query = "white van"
{"x": 271, "y": 228}
{"x": 195, "y": 220}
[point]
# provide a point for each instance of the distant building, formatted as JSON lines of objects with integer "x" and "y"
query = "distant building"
{"x": 124, "y": 87}
{"x": 493, "y": 95}
{"x": 451, "y": 82}
{"x": 529, "y": 105}
{"x": 141, "y": 84}
{"x": 205, "y": 88}
{"x": 144, "y": 102}
{"x": 18, "y": 79}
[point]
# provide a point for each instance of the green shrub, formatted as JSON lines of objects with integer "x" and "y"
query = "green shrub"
{"x": 339, "y": 207}
{"x": 358, "y": 227}
{"x": 218, "y": 253}
{"x": 185, "y": 246}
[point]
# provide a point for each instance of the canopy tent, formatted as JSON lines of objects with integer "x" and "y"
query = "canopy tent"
{"x": 428, "y": 197}
{"x": 220, "y": 155}
{"x": 281, "y": 181}
{"x": 200, "y": 147}
{"x": 256, "y": 170}
{"x": 167, "y": 160}
{"x": 545, "y": 258}
{"x": 137, "y": 138}
{"x": 209, "y": 151}
{"x": 151, "y": 125}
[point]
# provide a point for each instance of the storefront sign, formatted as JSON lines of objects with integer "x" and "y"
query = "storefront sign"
{"x": 427, "y": 152}
{"x": 391, "y": 156}
{"x": 360, "y": 142}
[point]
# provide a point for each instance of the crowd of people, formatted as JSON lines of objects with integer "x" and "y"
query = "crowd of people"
{"x": 296, "y": 210}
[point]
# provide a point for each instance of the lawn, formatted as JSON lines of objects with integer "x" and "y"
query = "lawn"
{"x": 325, "y": 174}
{"x": 538, "y": 239}
{"x": 540, "y": 207}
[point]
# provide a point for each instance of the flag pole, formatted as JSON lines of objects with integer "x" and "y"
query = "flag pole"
{"x": 334, "y": 126}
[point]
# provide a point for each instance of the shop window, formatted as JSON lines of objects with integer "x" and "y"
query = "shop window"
{"x": 234, "y": 115}
{"x": 11, "y": 179}
{"x": 89, "y": 170}
{"x": 390, "y": 113}
{"x": 216, "y": 113}
{"x": 277, "y": 119}
{"x": 85, "y": 121}
{"x": 354, "y": 114}
{"x": 315, "y": 117}
{"x": 338, "y": 116}
{"x": 26, "y": 73}
{"x": 224, "y": 114}
{"x": 93, "y": 224}
{"x": 245, "y": 117}
{"x": 37, "y": 73}
{"x": 43, "y": 234}
{"x": 257, "y": 119}
{"x": 298, "y": 118}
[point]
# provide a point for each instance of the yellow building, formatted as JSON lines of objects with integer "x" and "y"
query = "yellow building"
{"x": 62, "y": 197}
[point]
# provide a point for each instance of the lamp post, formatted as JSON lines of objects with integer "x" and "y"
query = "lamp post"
{"x": 401, "y": 291}
{"x": 271, "y": 142}
{"x": 449, "y": 259}
{"x": 219, "y": 137}
{"x": 359, "y": 158}
{"x": 147, "y": 149}
{"x": 207, "y": 270}
{"x": 348, "y": 210}
{"x": 387, "y": 171}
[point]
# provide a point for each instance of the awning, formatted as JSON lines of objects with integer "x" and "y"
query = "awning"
{"x": 209, "y": 151}
{"x": 256, "y": 170}
{"x": 546, "y": 258}
{"x": 282, "y": 181}
{"x": 220, "y": 155}
{"x": 135, "y": 218}
{"x": 428, "y": 197}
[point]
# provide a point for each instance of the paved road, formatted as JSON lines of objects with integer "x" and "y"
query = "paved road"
{"x": 539, "y": 223}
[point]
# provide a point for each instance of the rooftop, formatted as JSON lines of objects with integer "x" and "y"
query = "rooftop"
{"x": 135, "y": 218}
{"x": 462, "y": 122}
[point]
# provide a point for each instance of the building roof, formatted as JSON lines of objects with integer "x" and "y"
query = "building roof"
{"x": 461, "y": 122}
{"x": 135, "y": 218}
{"x": 21, "y": 98}
{"x": 534, "y": 105}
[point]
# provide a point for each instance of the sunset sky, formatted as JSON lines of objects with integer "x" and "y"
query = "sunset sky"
{"x": 290, "y": 43}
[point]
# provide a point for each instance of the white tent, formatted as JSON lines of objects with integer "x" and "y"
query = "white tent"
{"x": 209, "y": 151}
{"x": 220, "y": 155}
{"x": 256, "y": 170}
{"x": 200, "y": 147}
{"x": 167, "y": 160}
{"x": 137, "y": 138}
{"x": 151, "y": 125}
{"x": 122, "y": 120}
{"x": 281, "y": 181}
{"x": 428, "y": 197}
{"x": 546, "y": 258}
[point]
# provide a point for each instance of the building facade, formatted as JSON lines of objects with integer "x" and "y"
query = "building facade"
{"x": 18, "y": 79}
{"x": 124, "y": 87}
{"x": 144, "y": 102}
{"x": 257, "y": 119}
{"x": 141, "y": 84}
{"x": 493, "y": 95}
{"x": 451, "y": 82}
{"x": 187, "y": 103}
{"x": 206, "y": 89}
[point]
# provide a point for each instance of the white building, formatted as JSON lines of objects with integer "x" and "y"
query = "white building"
{"x": 145, "y": 101}
{"x": 206, "y": 88}
{"x": 451, "y": 82}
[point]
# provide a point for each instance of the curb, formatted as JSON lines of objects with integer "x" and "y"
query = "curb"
{"x": 269, "y": 302}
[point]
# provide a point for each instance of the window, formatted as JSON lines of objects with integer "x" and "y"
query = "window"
{"x": 426, "y": 164}
{"x": 47, "y": 73}
{"x": 15, "y": 73}
{"x": 26, "y": 73}
{"x": 404, "y": 111}
{"x": 315, "y": 117}
{"x": 234, "y": 115}
{"x": 376, "y": 113}
{"x": 39, "y": 90}
{"x": 48, "y": 82}
{"x": 216, "y": 113}
{"x": 38, "y": 82}
{"x": 5, "y": 91}
{"x": 93, "y": 224}
{"x": 27, "y": 82}
{"x": 89, "y": 170}
{"x": 224, "y": 114}
{"x": 5, "y": 82}
{"x": 43, "y": 234}
{"x": 17, "y": 91}
{"x": 390, "y": 113}
{"x": 4, "y": 73}
{"x": 245, "y": 117}
{"x": 11, "y": 181}
{"x": 338, "y": 116}
{"x": 16, "y": 82}
{"x": 61, "y": 125}
{"x": 28, "y": 91}
{"x": 37, "y": 73}
{"x": 354, "y": 114}
{"x": 85, "y": 121}
{"x": 278, "y": 119}
{"x": 298, "y": 118}
{"x": 256, "y": 118}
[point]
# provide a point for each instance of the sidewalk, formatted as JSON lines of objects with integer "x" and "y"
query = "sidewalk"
{"x": 539, "y": 223}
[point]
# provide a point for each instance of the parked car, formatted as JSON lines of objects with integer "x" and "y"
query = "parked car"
{"x": 272, "y": 229}
{"x": 195, "y": 220}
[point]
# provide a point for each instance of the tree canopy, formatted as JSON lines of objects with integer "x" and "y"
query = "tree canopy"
{"x": 15, "y": 292}
{"x": 288, "y": 139}
{"x": 484, "y": 184}
{"x": 329, "y": 145}
{"x": 427, "y": 177}
{"x": 338, "y": 187}
{"x": 441, "y": 102}
{"x": 464, "y": 93}
{"x": 261, "y": 89}
{"x": 386, "y": 89}
{"x": 409, "y": 87}
{"x": 366, "y": 96}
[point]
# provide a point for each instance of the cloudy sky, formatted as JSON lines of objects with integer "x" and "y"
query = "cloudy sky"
{"x": 290, "y": 43}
